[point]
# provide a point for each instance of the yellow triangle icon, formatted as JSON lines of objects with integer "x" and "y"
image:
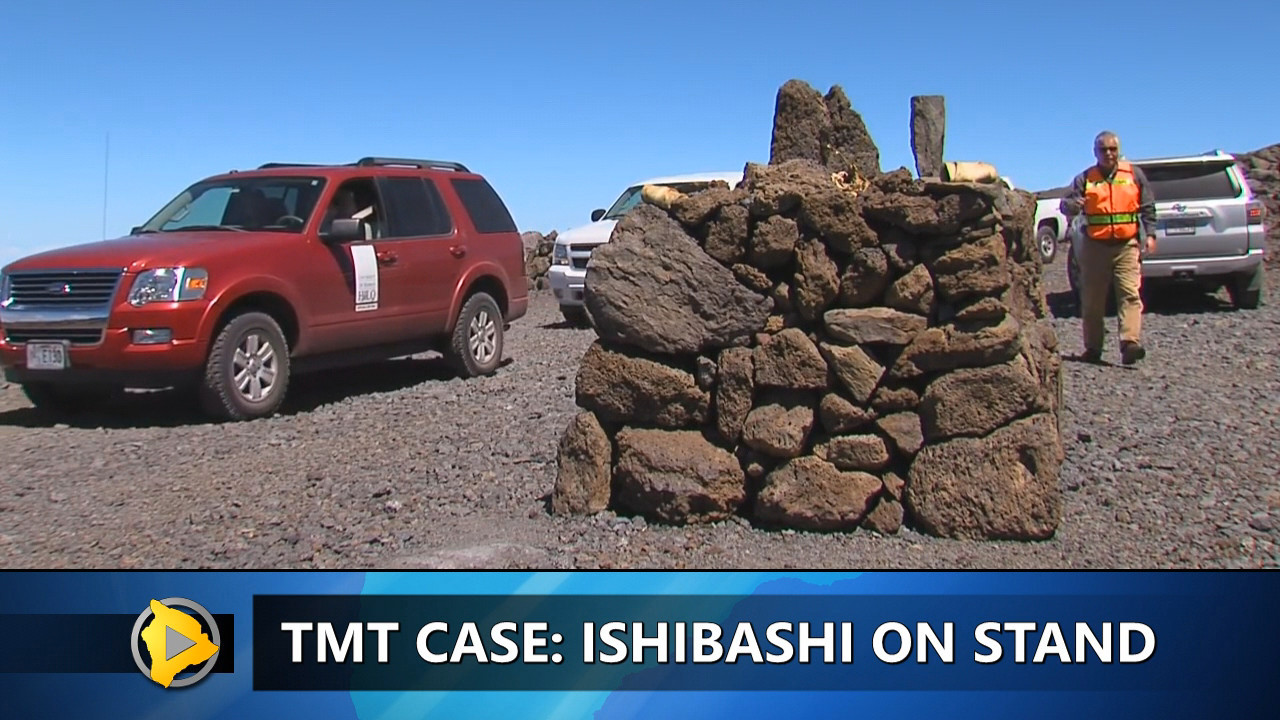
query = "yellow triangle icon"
{"x": 175, "y": 642}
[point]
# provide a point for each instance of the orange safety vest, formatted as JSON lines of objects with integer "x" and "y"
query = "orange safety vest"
{"x": 1111, "y": 206}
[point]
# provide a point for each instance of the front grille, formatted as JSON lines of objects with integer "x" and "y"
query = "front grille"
{"x": 63, "y": 288}
{"x": 580, "y": 255}
{"x": 75, "y": 337}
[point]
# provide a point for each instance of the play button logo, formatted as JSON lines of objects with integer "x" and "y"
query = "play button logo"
{"x": 176, "y": 641}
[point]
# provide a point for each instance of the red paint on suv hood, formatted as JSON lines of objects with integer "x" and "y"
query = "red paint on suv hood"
{"x": 139, "y": 252}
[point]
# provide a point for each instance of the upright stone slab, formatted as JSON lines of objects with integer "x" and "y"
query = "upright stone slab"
{"x": 928, "y": 133}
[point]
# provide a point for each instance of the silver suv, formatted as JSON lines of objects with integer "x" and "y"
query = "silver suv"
{"x": 1209, "y": 229}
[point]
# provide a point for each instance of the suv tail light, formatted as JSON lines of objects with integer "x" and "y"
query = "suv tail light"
{"x": 1254, "y": 210}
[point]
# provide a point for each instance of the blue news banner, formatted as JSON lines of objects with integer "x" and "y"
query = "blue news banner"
{"x": 1168, "y": 644}
{"x": 623, "y": 645}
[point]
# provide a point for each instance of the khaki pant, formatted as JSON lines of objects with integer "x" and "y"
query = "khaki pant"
{"x": 1103, "y": 265}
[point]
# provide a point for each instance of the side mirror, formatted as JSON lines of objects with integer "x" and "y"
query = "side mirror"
{"x": 134, "y": 230}
{"x": 597, "y": 214}
{"x": 345, "y": 230}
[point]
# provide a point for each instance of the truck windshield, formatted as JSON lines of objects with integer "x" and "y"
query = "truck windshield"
{"x": 631, "y": 197}
{"x": 278, "y": 204}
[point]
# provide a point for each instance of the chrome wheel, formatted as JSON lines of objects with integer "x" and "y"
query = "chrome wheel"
{"x": 475, "y": 345}
{"x": 482, "y": 337}
{"x": 254, "y": 368}
{"x": 1048, "y": 242}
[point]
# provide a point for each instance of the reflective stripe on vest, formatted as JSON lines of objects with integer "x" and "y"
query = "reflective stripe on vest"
{"x": 1111, "y": 206}
{"x": 1113, "y": 219}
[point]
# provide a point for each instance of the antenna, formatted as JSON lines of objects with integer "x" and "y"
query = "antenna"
{"x": 106, "y": 169}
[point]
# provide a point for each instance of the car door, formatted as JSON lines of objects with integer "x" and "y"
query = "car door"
{"x": 423, "y": 243}
{"x": 348, "y": 284}
{"x": 1200, "y": 209}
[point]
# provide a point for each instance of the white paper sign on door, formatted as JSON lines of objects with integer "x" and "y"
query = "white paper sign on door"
{"x": 366, "y": 270}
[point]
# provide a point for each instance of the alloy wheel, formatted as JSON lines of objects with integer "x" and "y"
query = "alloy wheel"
{"x": 482, "y": 337}
{"x": 254, "y": 367}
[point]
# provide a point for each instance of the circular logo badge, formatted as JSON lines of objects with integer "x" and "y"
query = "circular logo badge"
{"x": 176, "y": 640}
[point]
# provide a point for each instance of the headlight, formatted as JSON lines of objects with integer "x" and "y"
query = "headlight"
{"x": 168, "y": 285}
{"x": 560, "y": 256}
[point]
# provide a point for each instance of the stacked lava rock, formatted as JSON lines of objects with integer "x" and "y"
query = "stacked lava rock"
{"x": 537, "y": 257}
{"x": 821, "y": 349}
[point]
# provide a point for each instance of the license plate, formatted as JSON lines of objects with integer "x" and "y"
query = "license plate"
{"x": 46, "y": 356}
{"x": 1180, "y": 227}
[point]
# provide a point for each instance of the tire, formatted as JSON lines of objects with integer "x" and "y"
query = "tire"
{"x": 575, "y": 315}
{"x": 1073, "y": 272}
{"x": 476, "y": 346}
{"x": 1245, "y": 289}
{"x": 69, "y": 399}
{"x": 256, "y": 334}
{"x": 1047, "y": 243}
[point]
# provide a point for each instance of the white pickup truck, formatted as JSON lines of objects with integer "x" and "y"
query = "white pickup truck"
{"x": 1051, "y": 224}
{"x": 568, "y": 273}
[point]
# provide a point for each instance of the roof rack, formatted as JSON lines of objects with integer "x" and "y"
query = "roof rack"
{"x": 378, "y": 161}
{"x": 1207, "y": 157}
{"x": 409, "y": 162}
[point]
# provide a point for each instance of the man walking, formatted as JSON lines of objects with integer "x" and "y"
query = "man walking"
{"x": 1120, "y": 212}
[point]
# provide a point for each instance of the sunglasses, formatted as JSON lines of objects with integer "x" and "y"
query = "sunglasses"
{"x": 1108, "y": 148}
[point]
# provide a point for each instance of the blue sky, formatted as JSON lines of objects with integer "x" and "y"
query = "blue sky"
{"x": 561, "y": 104}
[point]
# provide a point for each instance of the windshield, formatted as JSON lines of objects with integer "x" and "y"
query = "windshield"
{"x": 631, "y": 197}
{"x": 279, "y": 204}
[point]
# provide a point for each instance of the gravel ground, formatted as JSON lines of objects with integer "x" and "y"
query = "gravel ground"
{"x": 1169, "y": 464}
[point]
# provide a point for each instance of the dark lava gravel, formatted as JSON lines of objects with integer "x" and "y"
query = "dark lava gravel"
{"x": 1173, "y": 463}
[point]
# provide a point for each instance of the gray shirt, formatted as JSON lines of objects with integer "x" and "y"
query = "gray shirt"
{"x": 1073, "y": 203}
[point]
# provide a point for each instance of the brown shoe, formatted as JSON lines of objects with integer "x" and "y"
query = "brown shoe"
{"x": 1131, "y": 352}
{"x": 1091, "y": 356}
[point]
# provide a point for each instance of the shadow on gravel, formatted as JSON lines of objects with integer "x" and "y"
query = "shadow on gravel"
{"x": 1062, "y": 304}
{"x": 315, "y": 390}
{"x": 563, "y": 325}
{"x": 1105, "y": 363}
{"x": 307, "y": 392}
{"x": 1171, "y": 300}
{"x": 1176, "y": 300}
{"x": 163, "y": 408}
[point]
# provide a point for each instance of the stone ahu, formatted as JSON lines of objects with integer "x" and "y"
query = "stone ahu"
{"x": 824, "y": 347}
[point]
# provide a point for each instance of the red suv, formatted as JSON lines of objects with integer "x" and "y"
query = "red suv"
{"x": 249, "y": 277}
